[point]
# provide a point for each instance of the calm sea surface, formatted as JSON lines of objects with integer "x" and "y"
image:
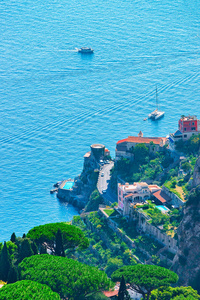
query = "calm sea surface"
{"x": 55, "y": 102}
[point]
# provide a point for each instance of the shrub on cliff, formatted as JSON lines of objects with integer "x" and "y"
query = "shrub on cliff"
{"x": 94, "y": 201}
{"x": 70, "y": 278}
{"x": 176, "y": 293}
{"x": 72, "y": 236}
{"x": 27, "y": 289}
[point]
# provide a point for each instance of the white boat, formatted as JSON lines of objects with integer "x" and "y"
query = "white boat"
{"x": 159, "y": 115}
{"x": 85, "y": 50}
{"x": 156, "y": 114}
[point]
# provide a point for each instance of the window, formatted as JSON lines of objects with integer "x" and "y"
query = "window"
{"x": 185, "y": 129}
{"x": 185, "y": 135}
{"x": 192, "y": 123}
{"x": 193, "y": 128}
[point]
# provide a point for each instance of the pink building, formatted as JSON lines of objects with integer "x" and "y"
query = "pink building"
{"x": 187, "y": 127}
{"x": 136, "y": 192}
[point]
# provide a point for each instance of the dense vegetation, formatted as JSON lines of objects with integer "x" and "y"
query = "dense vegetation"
{"x": 65, "y": 276}
{"x": 107, "y": 251}
{"x": 27, "y": 289}
{"x": 146, "y": 166}
{"x": 189, "y": 147}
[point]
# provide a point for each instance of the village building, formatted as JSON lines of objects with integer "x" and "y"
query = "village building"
{"x": 138, "y": 192}
{"x": 187, "y": 127}
{"x": 131, "y": 197}
{"x": 124, "y": 148}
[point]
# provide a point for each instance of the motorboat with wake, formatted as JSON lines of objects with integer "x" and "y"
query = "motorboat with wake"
{"x": 86, "y": 50}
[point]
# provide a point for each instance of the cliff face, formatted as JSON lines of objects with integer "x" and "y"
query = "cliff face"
{"x": 187, "y": 261}
{"x": 196, "y": 175}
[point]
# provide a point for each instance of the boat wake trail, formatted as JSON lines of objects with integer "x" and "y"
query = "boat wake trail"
{"x": 37, "y": 131}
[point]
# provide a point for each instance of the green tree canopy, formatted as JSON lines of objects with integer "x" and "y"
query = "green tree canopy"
{"x": 113, "y": 264}
{"x": 46, "y": 235}
{"x": 25, "y": 290}
{"x": 145, "y": 278}
{"x": 65, "y": 276}
{"x": 141, "y": 152}
{"x": 12, "y": 249}
{"x": 169, "y": 293}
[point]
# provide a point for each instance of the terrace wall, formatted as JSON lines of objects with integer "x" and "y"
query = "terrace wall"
{"x": 145, "y": 226}
{"x": 176, "y": 201}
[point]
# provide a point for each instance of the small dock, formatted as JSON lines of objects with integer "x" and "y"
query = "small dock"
{"x": 53, "y": 190}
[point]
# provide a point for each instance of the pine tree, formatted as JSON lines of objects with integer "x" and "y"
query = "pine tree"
{"x": 123, "y": 293}
{"x": 59, "y": 250}
{"x": 13, "y": 274}
{"x": 4, "y": 263}
{"x": 25, "y": 250}
{"x": 34, "y": 248}
{"x": 24, "y": 236}
{"x": 13, "y": 238}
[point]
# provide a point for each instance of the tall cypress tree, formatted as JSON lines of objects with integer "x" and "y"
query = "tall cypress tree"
{"x": 59, "y": 250}
{"x": 34, "y": 248}
{"x": 12, "y": 274}
{"x": 13, "y": 237}
{"x": 4, "y": 263}
{"x": 123, "y": 293}
{"x": 25, "y": 250}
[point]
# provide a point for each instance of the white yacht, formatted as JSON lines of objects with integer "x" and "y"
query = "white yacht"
{"x": 156, "y": 114}
{"x": 85, "y": 50}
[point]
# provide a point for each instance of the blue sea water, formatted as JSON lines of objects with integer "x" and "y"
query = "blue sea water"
{"x": 55, "y": 102}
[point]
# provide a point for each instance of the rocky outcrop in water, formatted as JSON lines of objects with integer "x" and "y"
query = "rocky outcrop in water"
{"x": 187, "y": 261}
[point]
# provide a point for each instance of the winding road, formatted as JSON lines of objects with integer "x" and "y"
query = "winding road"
{"x": 103, "y": 183}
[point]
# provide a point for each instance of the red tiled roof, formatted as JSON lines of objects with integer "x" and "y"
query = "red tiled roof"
{"x": 106, "y": 150}
{"x": 111, "y": 293}
{"x": 162, "y": 196}
{"x": 146, "y": 140}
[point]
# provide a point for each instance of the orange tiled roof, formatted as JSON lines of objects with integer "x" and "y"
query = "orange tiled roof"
{"x": 162, "y": 196}
{"x": 146, "y": 140}
{"x": 111, "y": 293}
